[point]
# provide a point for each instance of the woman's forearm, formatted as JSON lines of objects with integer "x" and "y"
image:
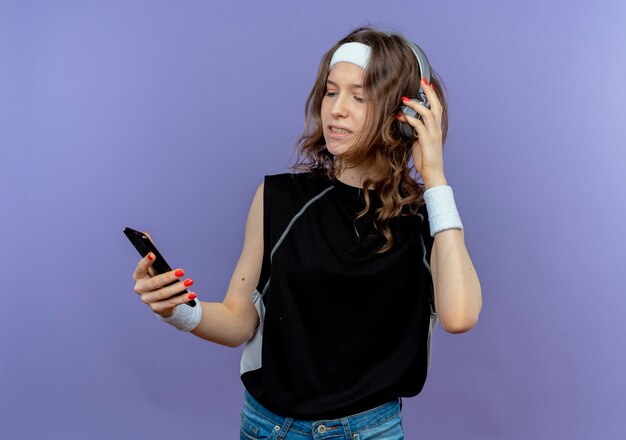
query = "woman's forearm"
{"x": 220, "y": 325}
{"x": 458, "y": 296}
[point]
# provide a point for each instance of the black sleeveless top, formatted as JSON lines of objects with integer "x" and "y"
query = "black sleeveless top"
{"x": 342, "y": 329}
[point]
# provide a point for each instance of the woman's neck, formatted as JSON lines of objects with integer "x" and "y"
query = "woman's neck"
{"x": 354, "y": 175}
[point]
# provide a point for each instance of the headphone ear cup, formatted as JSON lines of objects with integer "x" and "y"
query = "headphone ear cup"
{"x": 406, "y": 129}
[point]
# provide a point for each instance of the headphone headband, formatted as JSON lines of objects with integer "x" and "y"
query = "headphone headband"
{"x": 406, "y": 129}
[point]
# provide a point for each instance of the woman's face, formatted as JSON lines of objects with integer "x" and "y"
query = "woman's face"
{"x": 343, "y": 107}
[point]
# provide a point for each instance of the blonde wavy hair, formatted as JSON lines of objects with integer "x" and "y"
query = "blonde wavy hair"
{"x": 392, "y": 72}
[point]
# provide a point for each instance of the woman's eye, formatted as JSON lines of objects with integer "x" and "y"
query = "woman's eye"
{"x": 333, "y": 93}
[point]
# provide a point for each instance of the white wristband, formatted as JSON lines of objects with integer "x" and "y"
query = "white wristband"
{"x": 184, "y": 318}
{"x": 442, "y": 212}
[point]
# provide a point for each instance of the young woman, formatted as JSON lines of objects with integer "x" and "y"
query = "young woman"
{"x": 348, "y": 265}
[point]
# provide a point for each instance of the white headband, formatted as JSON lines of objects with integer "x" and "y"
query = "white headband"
{"x": 355, "y": 53}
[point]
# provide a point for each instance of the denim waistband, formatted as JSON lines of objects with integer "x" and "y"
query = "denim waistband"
{"x": 355, "y": 422}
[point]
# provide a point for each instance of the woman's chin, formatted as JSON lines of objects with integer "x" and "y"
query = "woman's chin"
{"x": 336, "y": 150}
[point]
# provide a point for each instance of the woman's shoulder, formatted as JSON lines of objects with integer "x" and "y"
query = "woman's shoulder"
{"x": 303, "y": 179}
{"x": 303, "y": 176}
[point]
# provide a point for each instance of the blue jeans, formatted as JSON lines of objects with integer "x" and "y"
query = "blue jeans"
{"x": 382, "y": 422}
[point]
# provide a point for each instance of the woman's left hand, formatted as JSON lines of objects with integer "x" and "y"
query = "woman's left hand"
{"x": 427, "y": 149}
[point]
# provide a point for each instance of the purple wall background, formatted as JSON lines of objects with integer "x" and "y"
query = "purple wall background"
{"x": 164, "y": 116}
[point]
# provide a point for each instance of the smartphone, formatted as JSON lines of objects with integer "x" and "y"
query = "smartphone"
{"x": 143, "y": 244}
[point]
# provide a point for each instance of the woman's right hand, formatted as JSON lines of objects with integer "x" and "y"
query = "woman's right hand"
{"x": 154, "y": 289}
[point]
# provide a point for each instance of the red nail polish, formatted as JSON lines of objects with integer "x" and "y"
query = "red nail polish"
{"x": 424, "y": 80}
{"x": 398, "y": 117}
{"x": 191, "y": 296}
{"x": 150, "y": 257}
{"x": 404, "y": 98}
{"x": 179, "y": 273}
{"x": 188, "y": 282}
{"x": 431, "y": 86}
